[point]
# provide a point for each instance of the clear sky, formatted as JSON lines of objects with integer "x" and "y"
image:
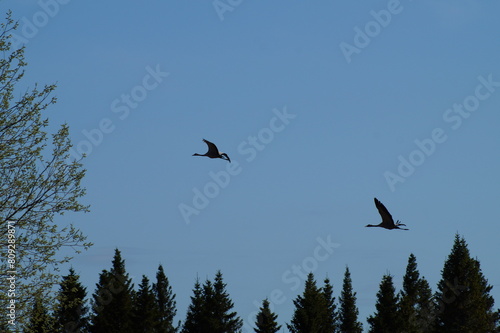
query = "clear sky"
{"x": 320, "y": 106}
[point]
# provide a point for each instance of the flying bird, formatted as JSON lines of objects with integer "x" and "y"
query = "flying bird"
{"x": 213, "y": 152}
{"x": 387, "y": 221}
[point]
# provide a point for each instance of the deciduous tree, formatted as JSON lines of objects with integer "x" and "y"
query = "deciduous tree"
{"x": 38, "y": 181}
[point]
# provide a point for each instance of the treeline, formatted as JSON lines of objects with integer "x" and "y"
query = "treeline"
{"x": 461, "y": 303}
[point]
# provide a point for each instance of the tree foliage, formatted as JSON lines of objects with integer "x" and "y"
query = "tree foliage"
{"x": 38, "y": 181}
{"x": 331, "y": 315}
{"x": 112, "y": 300}
{"x": 266, "y": 320}
{"x": 314, "y": 309}
{"x": 71, "y": 312}
{"x": 307, "y": 316}
{"x": 211, "y": 309}
{"x": 40, "y": 320}
{"x": 118, "y": 308}
{"x": 348, "y": 312}
{"x": 415, "y": 301}
{"x": 463, "y": 294}
{"x": 165, "y": 299}
{"x": 386, "y": 318}
{"x": 426, "y": 308}
{"x": 195, "y": 317}
{"x": 145, "y": 308}
{"x": 220, "y": 308}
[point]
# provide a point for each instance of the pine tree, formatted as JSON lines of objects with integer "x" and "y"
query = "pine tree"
{"x": 165, "y": 300}
{"x": 39, "y": 320}
{"x": 386, "y": 318}
{"x": 220, "y": 306}
{"x": 310, "y": 312}
{"x": 330, "y": 319}
{"x": 348, "y": 314}
{"x": 210, "y": 309}
{"x": 409, "y": 297}
{"x": 426, "y": 308}
{"x": 112, "y": 300}
{"x": 144, "y": 309}
{"x": 415, "y": 305}
{"x": 194, "y": 322}
{"x": 71, "y": 311}
{"x": 463, "y": 294}
{"x": 266, "y": 320}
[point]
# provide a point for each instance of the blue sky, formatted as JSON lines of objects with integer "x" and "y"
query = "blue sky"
{"x": 321, "y": 107}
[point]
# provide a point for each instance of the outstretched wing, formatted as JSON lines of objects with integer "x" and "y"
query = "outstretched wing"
{"x": 384, "y": 213}
{"x": 212, "y": 149}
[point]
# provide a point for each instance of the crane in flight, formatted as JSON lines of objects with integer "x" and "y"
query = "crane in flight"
{"x": 213, "y": 152}
{"x": 387, "y": 221}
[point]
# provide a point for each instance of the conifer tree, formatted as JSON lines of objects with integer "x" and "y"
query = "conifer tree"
{"x": 415, "y": 301}
{"x": 409, "y": 296}
{"x": 39, "y": 320}
{"x": 310, "y": 312}
{"x": 348, "y": 313}
{"x": 210, "y": 309}
{"x": 463, "y": 294}
{"x": 112, "y": 300}
{"x": 386, "y": 318}
{"x": 165, "y": 300}
{"x": 194, "y": 322}
{"x": 145, "y": 308}
{"x": 426, "y": 308}
{"x": 331, "y": 316}
{"x": 220, "y": 306}
{"x": 266, "y": 320}
{"x": 71, "y": 311}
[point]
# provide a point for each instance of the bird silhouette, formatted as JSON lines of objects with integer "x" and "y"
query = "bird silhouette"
{"x": 213, "y": 152}
{"x": 387, "y": 221}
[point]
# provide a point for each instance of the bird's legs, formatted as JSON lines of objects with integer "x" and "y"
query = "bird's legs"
{"x": 398, "y": 222}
